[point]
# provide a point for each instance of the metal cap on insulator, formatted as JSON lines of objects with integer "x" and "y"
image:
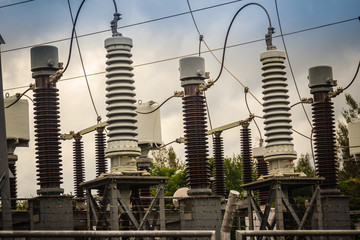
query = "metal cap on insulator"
{"x": 116, "y": 41}
{"x": 192, "y": 70}
{"x": 320, "y": 79}
{"x": 44, "y": 60}
{"x": 259, "y": 152}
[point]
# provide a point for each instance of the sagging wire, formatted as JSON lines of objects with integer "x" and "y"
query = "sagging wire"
{"x": 246, "y": 90}
{"x": 211, "y": 82}
{"x": 228, "y": 31}
{"x": 290, "y": 66}
{"x": 19, "y": 96}
{"x": 177, "y": 57}
{"x": 83, "y": 66}
{"x": 340, "y": 90}
{"x": 176, "y": 94}
{"x": 60, "y": 73}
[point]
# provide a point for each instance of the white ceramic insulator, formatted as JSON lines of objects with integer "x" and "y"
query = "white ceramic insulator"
{"x": 122, "y": 128}
{"x": 276, "y": 107}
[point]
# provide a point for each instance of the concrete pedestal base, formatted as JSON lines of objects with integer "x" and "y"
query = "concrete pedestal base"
{"x": 201, "y": 213}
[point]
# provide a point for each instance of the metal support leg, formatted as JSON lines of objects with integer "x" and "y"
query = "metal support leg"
{"x": 88, "y": 216}
{"x": 113, "y": 206}
{"x": 251, "y": 220}
{"x": 162, "y": 208}
{"x": 279, "y": 210}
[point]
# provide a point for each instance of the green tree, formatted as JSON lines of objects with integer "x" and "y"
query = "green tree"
{"x": 303, "y": 165}
{"x": 166, "y": 157}
{"x": 167, "y": 164}
{"x": 349, "y": 169}
{"x": 233, "y": 173}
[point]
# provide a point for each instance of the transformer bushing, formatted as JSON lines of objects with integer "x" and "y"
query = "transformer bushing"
{"x": 44, "y": 62}
{"x": 279, "y": 147}
{"x": 122, "y": 146}
{"x": 192, "y": 74}
{"x": 79, "y": 169}
{"x": 101, "y": 164}
{"x": 219, "y": 168}
{"x": 320, "y": 83}
{"x": 262, "y": 170}
{"x": 246, "y": 153}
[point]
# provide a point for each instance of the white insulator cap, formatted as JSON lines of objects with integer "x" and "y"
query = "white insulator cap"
{"x": 122, "y": 129}
{"x": 279, "y": 147}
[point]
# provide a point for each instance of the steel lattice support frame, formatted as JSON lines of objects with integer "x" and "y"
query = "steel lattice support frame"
{"x": 277, "y": 195}
{"x": 98, "y": 217}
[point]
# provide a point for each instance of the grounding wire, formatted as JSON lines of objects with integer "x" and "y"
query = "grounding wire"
{"x": 13, "y": 4}
{"x": 211, "y": 51}
{"x": 356, "y": 73}
{"x": 208, "y": 114}
{"x": 288, "y": 59}
{"x": 187, "y": 55}
{"x": 72, "y": 36}
{"x": 82, "y": 63}
{"x": 228, "y": 31}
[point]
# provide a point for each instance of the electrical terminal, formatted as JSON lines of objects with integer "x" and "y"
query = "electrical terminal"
{"x": 206, "y": 86}
{"x": 180, "y": 140}
{"x": 178, "y": 93}
{"x": 338, "y": 91}
{"x": 56, "y": 77}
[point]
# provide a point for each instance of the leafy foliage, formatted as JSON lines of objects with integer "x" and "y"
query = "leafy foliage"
{"x": 303, "y": 165}
{"x": 350, "y": 169}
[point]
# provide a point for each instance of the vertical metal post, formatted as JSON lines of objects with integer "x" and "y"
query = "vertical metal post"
{"x": 4, "y": 165}
{"x": 88, "y": 216}
{"x": 114, "y": 218}
{"x": 162, "y": 208}
{"x": 279, "y": 210}
{"x": 251, "y": 219}
{"x": 229, "y": 215}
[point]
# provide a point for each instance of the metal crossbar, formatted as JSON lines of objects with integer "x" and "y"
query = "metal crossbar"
{"x": 64, "y": 234}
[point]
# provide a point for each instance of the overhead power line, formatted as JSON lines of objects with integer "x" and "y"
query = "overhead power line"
{"x": 167, "y": 17}
{"x": 13, "y": 4}
{"x": 125, "y": 26}
{"x": 196, "y": 53}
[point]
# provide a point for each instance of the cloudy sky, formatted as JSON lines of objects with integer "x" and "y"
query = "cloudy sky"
{"x": 41, "y": 21}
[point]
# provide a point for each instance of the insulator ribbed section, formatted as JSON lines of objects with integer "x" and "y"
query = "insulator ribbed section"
{"x": 324, "y": 140}
{"x": 246, "y": 154}
{"x": 276, "y": 105}
{"x": 79, "y": 169}
{"x": 262, "y": 170}
{"x": 101, "y": 164}
{"x": 13, "y": 186}
{"x": 120, "y": 94}
{"x": 198, "y": 171}
{"x": 219, "y": 168}
{"x": 47, "y": 137}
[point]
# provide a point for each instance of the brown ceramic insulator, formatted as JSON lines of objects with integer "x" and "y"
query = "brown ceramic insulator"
{"x": 262, "y": 170}
{"x": 219, "y": 168}
{"x": 79, "y": 169}
{"x": 101, "y": 164}
{"x": 246, "y": 154}
{"x": 47, "y": 134}
{"x": 324, "y": 139}
{"x": 13, "y": 181}
{"x": 198, "y": 171}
